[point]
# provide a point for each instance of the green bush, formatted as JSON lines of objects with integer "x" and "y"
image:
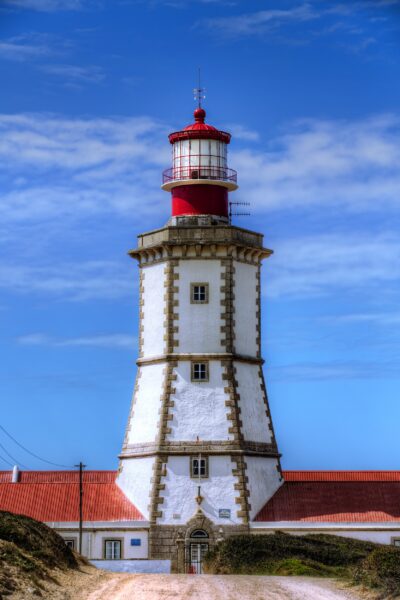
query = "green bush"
{"x": 381, "y": 569}
{"x": 255, "y": 553}
{"x": 373, "y": 565}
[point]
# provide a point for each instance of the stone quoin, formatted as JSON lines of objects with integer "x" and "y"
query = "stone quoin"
{"x": 200, "y": 460}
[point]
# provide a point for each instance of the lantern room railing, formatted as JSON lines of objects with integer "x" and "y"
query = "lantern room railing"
{"x": 194, "y": 172}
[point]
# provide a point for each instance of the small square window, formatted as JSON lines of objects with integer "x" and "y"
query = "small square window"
{"x": 396, "y": 542}
{"x": 70, "y": 542}
{"x": 199, "y": 467}
{"x": 199, "y": 293}
{"x": 200, "y": 371}
{"x": 112, "y": 549}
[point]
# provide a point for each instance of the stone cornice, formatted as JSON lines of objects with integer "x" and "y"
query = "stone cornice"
{"x": 198, "y": 357}
{"x": 204, "y": 242}
{"x": 184, "y": 448}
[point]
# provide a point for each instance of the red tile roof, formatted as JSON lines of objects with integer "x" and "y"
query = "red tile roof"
{"x": 335, "y": 496}
{"x": 54, "y": 496}
{"x": 341, "y": 475}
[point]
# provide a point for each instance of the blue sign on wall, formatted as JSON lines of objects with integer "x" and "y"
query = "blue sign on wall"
{"x": 136, "y": 542}
{"x": 224, "y": 513}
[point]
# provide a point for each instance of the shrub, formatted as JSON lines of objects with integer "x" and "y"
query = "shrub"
{"x": 380, "y": 569}
{"x": 260, "y": 553}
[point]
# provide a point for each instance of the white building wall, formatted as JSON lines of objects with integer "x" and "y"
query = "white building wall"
{"x": 245, "y": 304}
{"x": 93, "y": 542}
{"x": 146, "y": 405}
{"x": 199, "y": 324}
{"x": 153, "y": 304}
{"x": 255, "y": 423}
{"x": 218, "y": 491}
{"x": 199, "y": 408}
{"x": 135, "y": 481}
{"x": 264, "y": 480}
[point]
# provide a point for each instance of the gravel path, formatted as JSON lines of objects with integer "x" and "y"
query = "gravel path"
{"x": 216, "y": 587}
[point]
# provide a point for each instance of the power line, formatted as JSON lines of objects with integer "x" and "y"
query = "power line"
{"x": 6, "y": 461}
{"x": 16, "y": 462}
{"x": 32, "y": 453}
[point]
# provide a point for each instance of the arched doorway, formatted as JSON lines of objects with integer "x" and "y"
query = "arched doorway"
{"x": 198, "y": 548}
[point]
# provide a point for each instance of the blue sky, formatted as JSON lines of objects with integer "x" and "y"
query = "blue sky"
{"x": 311, "y": 92}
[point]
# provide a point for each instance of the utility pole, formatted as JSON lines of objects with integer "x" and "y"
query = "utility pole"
{"x": 81, "y": 467}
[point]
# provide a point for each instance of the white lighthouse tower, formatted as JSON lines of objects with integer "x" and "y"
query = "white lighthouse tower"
{"x": 199, "y": 458}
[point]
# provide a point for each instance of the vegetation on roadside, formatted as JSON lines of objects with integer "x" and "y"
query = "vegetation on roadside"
{"x": 29, "y": 552}
{"x": 372, "y": 565}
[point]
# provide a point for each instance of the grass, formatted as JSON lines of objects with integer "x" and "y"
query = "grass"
{"x": 372, "y": 565}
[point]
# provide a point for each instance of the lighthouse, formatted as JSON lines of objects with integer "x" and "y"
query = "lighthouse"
{"x": 199, "y": 458}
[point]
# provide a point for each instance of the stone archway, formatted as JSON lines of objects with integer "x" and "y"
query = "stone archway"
{"x": 194, "y": 544}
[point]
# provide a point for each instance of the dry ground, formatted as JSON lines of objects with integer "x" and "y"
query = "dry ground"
{"x": 94, "y": 584}
{"x": 217, "y": 587}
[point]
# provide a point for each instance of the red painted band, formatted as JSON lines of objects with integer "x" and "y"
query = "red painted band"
{"x": 200, "y": 200}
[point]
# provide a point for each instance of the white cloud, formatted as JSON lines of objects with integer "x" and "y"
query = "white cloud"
{"x": 240, "y": 132}
{"x": 75, "y": 281}
{"x": 23, "y": 48}
{"x": 46, "y": 5}
{"x": 114, "y": 340}
{"x": 273, "y": 20}
{"x": 326, "y": 264}
{"x": 250, "y": 23}
{"x": 76, "y": 74}
{"x": 52, "y": 166}
{"x": 335, "y": 370}
{"x": 337, "y": 164}
{"x": 386, "y": 319}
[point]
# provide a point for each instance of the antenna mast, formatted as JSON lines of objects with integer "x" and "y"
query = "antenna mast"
{"x": 237, "y": 214}
{"x": 199, "y": 92}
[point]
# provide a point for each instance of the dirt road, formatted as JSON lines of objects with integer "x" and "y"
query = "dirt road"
{"x": 215, "y": 587}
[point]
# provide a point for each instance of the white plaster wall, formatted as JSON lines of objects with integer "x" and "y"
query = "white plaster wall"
{"x": 135, "y": 481}
{"x": 144, "y": 423}
{"x": 253, "y": 410}
{"x": 245, "y": 308}
{"x": 153, "y": 309}
{"x": 199, "y": 324}
{"x": 180, "y": 491}
{"x": 379, "y": 537}
{"x": 93, "y": 542}
{"x": 128, "y": 551}
{"x": 134, "y": 566}
{"x": 199, "y": 408}
{"x": 263, "y": 481}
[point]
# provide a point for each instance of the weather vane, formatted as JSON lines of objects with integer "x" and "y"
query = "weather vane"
{"x": 199, "y": 92}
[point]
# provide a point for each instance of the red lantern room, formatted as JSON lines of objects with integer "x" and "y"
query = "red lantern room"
{"x": 199, "y": 178}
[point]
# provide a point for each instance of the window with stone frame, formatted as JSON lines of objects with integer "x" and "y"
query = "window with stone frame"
{"x": 200, "y": 371}
{"x": 199, "y": 467}
{"x": 199, "y": 293}
{"x": 70, "y": 542}
{"x": 113, "y": 549}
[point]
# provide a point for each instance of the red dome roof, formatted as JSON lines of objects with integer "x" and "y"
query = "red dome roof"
{"x": 199, "y": 129}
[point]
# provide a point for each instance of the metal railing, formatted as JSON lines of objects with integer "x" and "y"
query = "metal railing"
{"x": 193, "y": 172}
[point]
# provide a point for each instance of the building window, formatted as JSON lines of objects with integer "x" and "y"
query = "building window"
{"x": 70, "y": 542}
{"x": 199, "y": 293}
{"x": 199, "y": 371}
{"x": 199, "y": 467}
{"x": 112, "y": 549}
{"x": 396, "y": 542}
